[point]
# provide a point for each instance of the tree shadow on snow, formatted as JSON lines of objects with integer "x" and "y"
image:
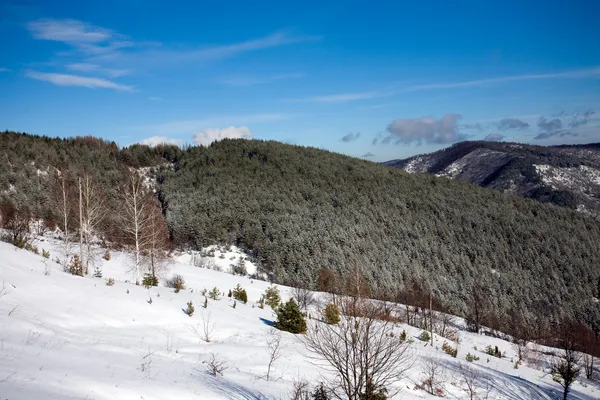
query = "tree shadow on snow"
{"x": 267, "y": 322}
{"x": 513, "y": 387}
{"x": 230, "y": 390}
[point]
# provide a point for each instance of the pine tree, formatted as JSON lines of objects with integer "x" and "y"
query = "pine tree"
{"x": 290, "y": 318}
{"x": 190, "y": 308}
{"x": 272, "y": 297}
{"x": 331, "y": 314}
{"x": 239, "y": 293}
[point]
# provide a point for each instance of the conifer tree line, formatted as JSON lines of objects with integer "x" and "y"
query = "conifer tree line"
{"x": 303, "y": 213}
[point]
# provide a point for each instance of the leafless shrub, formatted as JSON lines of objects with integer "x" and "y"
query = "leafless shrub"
{"x": 205, "y": 328}
{"x": 476, "y": 386}
{"x": 215, "y": 365}
{"x": 273, "y": 349}
{"x": 360, "y": 351}
{"x": 300, "y": 390}
{"x": 433, "y": 376}
{"x": 588, "y": 366}
{"x": 303, "y": 296}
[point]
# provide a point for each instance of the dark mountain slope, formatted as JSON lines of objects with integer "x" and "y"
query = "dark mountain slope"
{"x": 567, "y": 176}
{"x": 299, "y": 210}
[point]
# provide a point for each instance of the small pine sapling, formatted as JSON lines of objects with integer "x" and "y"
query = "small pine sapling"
{"x": 205, "y": 305}
{"x": 190, "y": 308}
{"x": 331, "y": 314}
{"x": 239, "y": 293}
{"x": 110, "y": 282}
{"x": 214, "y": 293}
{"x": 272, "y": 297}
{"x": 403, "y": 335}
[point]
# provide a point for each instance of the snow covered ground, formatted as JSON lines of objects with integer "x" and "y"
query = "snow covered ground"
{"x": 68, "y": 337}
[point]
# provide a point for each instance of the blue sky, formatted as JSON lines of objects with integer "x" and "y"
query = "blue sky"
{"x": 379, "y": 80}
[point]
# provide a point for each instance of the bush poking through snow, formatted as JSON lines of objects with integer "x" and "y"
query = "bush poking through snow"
{"x": 110, "y": 282}
{"x": 452, "y": 351}
{"x": 214, "y": 293}
{"x": 76, "y": 268}
{"x": 424, "y": 336}
{"x": 272, "y": 297}
{"x": 176, "y": 282}
{"x": 331, "y": 314}
{"x": 471, "y": 357}
{"x": 215, "y": 365}
{"x": 106, "y": 255}
{"x": 205, "y": 305}
{"x": 493, "y": 351}
{"x": 403, "y": 336}
{"x": 149, "y": 281}
{"x": 239, "y": 293}
{"x": 290, "y": 318}
{"x": 97, "y": 272}
{"x": 190, "y": 308}
{"x": 45, "y": 253}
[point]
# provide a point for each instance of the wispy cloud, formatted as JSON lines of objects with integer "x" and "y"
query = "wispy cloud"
{"x": 577, "y": 74}
{"x": 367, "y": 95}
{"x": 74, "y": 80}
{"x": 257, "y": 80}
{"x": 83, "y": 37}
{"x": 230, "y": 50}
{"x": 344, "y": 97}
{"x": 154, "y": 98}
{"x": 87, "y": 67}
{"x": 4, "y": 70}
{"x": 368, "y": 155}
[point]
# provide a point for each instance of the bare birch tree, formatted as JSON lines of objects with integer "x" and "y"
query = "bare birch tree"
{"x": 62, "y": 202}
{"x": 155, "y": 252}
{"x": 136, "y": 220}
{"x": 93, "y": 210}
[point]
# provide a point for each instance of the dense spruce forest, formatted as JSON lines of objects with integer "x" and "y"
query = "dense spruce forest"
{"x": 517, "y": 264}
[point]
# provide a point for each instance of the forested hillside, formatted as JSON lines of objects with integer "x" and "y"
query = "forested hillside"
{"x": 567, "y": 175}
{"x": 513, "y": 262}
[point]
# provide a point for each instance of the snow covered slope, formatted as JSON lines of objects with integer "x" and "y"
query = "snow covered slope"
{"x": 68, "y": 337}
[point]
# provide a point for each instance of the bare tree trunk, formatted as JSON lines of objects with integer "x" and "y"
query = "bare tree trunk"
{"x": 135, "y": 219}
{"x": 81, "y": 255}
{"x": 94, "y": 211}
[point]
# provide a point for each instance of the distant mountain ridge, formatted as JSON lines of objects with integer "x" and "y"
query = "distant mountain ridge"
{"x": 566, "y": 175}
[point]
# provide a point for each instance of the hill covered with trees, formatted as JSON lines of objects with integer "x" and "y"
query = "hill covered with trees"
{"x": 566, "y": 175}
{"x": 303, "y": 213}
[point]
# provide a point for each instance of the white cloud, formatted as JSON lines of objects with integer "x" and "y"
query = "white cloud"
{"x": 425, "y": 129}
{"x": 577, "y": 74}
{"x": 4, "y": 70}
{"x": 87, "y": 67}
{"x": 154, "y": 98}
{"x": 75, "y": 80}
{"x": 346, "y": 97}
{"x": 156, "y": 140}
{"x": 193, "y": 125}
{"x": 207, "y": 136}
{"x": 86, "y": 38}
